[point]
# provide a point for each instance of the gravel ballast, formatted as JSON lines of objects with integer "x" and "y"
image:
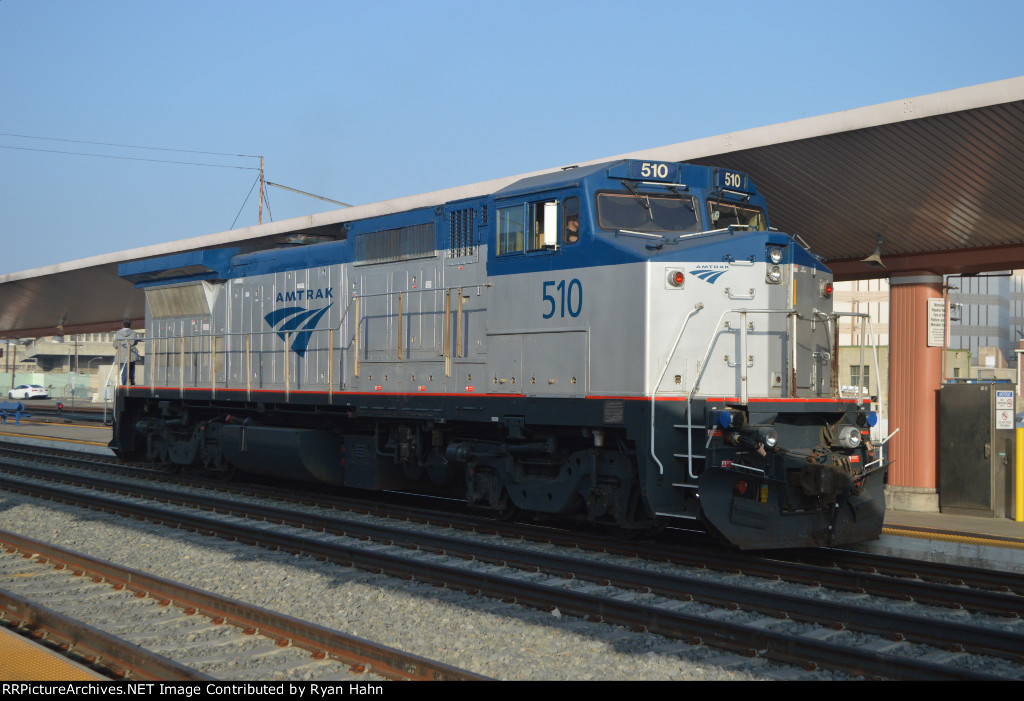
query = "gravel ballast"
{"x": 483, "y": 635}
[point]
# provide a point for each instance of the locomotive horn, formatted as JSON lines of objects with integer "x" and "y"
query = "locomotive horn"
{"x": 875, "y": 259}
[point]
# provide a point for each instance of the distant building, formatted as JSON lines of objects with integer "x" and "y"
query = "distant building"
{"x": 860, "y": 375}
{"x": 986, "y": 325}
{"x": 989, "y": 310}
{"x": 986, "y": 311}
{"x": 83, "y": 362}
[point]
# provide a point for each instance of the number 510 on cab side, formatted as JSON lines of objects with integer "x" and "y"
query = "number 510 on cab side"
{"x": 569, "y": 298}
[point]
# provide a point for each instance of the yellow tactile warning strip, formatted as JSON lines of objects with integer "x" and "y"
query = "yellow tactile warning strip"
{"x": 66, "y": 423}
{"x": 23, "y": 661}
{"x": 952, "y": 537}
{"x": 54, "y": 439}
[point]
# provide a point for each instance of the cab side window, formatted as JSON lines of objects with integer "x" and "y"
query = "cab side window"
{"x": 543, "y": 224}
{"x": 571, "y": 221}
{"x": 529, "y": 226}
{"x": 511, "y": 229}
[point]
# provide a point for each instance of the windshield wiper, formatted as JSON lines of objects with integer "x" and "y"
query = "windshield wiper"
{"x": 687, "y": 199}
{"x": 642, "y": 199}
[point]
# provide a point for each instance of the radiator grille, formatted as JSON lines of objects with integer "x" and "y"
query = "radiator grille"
{"x": 461, "y": 233}
{"x": 390, "y": 245}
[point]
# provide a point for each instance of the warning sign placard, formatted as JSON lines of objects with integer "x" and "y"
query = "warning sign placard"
{"x": 936, "y": 322}
{"x": 1004, "y": 409}
{"x": 1004, "y": 419}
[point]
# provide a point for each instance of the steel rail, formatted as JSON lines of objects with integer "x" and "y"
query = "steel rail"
{"x": 782, "y": 647}
{"x": 925, "y": 592}
{"x": 946, "y": 634}
{"x": 870, "y": 574}
{"x": 114, "y": 656}
{"x": 287, "y": 630}
{"x": 956, "y": 575}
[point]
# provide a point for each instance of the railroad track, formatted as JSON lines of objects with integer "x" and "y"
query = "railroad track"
{"x": 642, "y": 600}
{"x": 186, "y": 622}
{"x": 841, "y": 570}
{"x": 107, "y": 654}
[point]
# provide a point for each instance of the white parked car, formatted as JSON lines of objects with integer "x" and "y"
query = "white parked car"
{"x": 28, "y": 392}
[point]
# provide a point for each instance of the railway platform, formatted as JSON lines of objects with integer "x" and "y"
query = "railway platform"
{"x": 972, "y": 541}
{"x": 82, "y": 432}
{"x": 24, "y": 660}
{"x": 994, "y": 543}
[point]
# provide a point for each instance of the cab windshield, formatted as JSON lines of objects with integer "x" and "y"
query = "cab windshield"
{"x": 647, "y": 213}
{"x": 726, "y": 214}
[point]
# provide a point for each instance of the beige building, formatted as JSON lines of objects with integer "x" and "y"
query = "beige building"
{"x": 984, "y": 328}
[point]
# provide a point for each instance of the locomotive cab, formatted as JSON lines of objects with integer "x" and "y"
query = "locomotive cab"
{"x": 748, "y": 434}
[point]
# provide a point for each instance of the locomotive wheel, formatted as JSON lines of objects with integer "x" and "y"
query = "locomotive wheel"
{"x": 655, "y": 531}
{"x": 636, "y": 532}
{"x": 216, "y": 466}
{"x": 163, "y": 461}
{"x": 623, "y": 532}
{"x": 228, "y": 474}
{"x": 629, "y": 529}
{"x": 509, "y": 512}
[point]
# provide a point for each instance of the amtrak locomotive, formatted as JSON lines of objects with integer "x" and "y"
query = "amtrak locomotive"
{"x": 626, "y": 343}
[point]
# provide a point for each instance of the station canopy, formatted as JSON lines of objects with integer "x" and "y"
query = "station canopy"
{"x": 932, "y": 180}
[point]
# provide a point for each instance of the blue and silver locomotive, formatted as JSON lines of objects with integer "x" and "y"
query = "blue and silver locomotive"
{"x": 626, "y": 343}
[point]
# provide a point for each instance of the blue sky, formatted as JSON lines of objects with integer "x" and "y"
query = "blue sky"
{"x": 362, "y": 102}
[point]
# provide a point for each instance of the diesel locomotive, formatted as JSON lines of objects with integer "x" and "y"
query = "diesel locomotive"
{"x": 627, "y": 343}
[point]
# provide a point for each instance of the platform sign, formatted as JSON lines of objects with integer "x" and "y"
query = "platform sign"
{"x": 1004, "y": 409}
{"x": 936, "y": 322}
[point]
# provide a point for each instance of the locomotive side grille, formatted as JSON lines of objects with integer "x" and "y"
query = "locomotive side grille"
{"x": 460, "y": 230}
{"x": 614, "y": 411}
{"x": 390, "y": 245}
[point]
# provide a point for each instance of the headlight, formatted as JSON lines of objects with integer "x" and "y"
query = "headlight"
{"x": 775, "y": 255}
{"x": 769, "y": 437}
{"x": 849, "y": 437}
{"x": 774, "y": 276}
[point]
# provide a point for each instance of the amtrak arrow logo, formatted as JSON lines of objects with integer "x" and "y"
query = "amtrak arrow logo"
{"x": 709, "y": 276}
{"x": 293, "y": 318}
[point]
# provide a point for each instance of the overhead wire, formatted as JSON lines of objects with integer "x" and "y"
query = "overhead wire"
{"x": 151, "y": 148}
{"x": 129, "y": 158}
{"x": 266, "y": 199}
{"x": 243, "y": 203}
{"x": 136, "y": 158}
{"x": 264, "y": 191}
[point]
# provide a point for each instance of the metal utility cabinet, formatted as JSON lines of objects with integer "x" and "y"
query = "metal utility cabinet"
{"x": 976, "y": 448}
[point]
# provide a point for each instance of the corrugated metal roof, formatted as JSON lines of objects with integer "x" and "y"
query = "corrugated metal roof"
{"x": 938, "y": 176}
{"x": 936, "y": 184}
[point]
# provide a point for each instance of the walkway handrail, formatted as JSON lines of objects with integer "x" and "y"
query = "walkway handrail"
{"x": 196, "y": 345}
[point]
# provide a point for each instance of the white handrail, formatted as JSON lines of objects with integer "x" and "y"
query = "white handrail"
{"x": 668, "y": 361}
